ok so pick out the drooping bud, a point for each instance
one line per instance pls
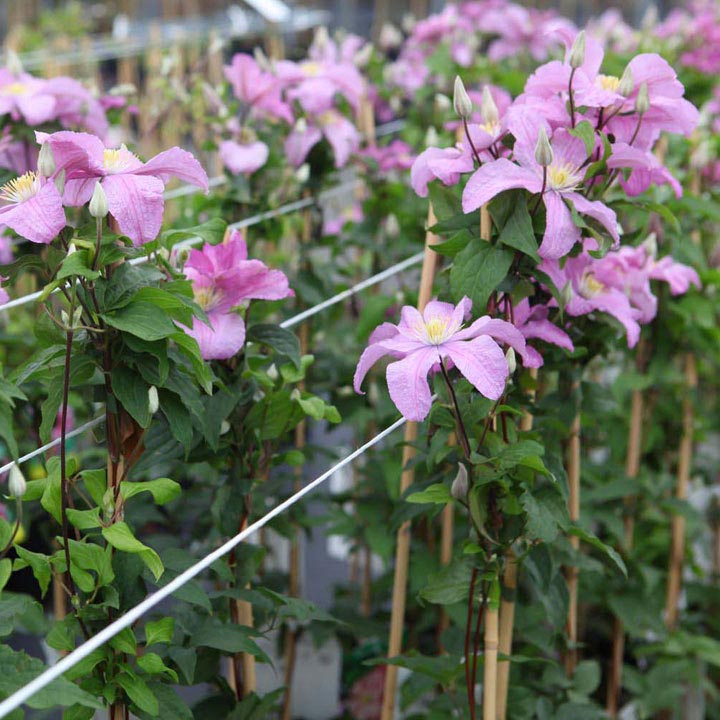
(511, 360)
(13, 63)
(642, 101)
(60, 182)
(543, 150)
(626, 84)
(577, 52)
(295, 395)
(650, 245)
(16, 482)
(488, 108)
(461, 100)
(460, 486)
(153, 400)
(46, 161)
(98, 202)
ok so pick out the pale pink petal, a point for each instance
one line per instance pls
(616, 303)
(136, 202)
(677, 275)
(221, 341)
(493, 178)
(243, 158)
(598, 211)
(560, 232)
(408, 384)
(299, 143)
(549, 332)
(78, 192)
(254, 280)
(178, 163)
(79, 154)
(482, 362)
(369, 357)
(37, 108)
(38, 219)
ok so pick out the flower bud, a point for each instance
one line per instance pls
(461, 100)
(642, 101)
(262, 59)
(302, 174)
(511, 360)
(362, 57)
(626, 84)
(488, 108)
(460, 486)
(60, 182)
(392, 226)
(322, 37)
(577, 52)
(408, 22)
(390, 37)
(98, 202)
(77, 316)
(224, 427)
(650, 245)
(65, 318)
(301, 126)
(46, 161)
(442, 102)
(71, 248)
(431, 137)
(16, 482)
(153, 400)
(272, 372)
(566, 294)
(543, 150)
(13, 62)
(295, 395)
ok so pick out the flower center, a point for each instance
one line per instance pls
(491, 128)
(117, 160)
(590, 286)
(16, 88)
(311, 69)
(437, 330)
(21, 188)
(206, 297)
(608, 82)
(563, 176)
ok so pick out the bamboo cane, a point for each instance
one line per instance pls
(507, 603)
(632, 468)
(447, 527)
(677, 547)
(490, 670)
(573, 472)
(402, 550)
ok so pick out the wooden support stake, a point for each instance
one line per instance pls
(491, 654)
(677, 547)
(402, 550)
(573, 472)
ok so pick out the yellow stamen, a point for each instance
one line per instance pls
(21, 188)
(437, 330)
(590, 286)
(608, 82)
(563, 176)
(311, 69)
(16, 88)
(117, 159)
(206, 297)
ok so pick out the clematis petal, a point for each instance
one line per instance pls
(40, 218)
(243, 158)
(221, 341)
(369, 357)
(598, 211)
(178, 163)
(482, 362)
(494, 177)
(408, 384)
(79, 154)
(560, 232)
(136, 202)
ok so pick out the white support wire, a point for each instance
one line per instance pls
(126, 620)
(290, 322)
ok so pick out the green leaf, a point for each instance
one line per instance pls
(163, 490)
(159, 631)
(124, 642)
(126, 280)
(188, 346)
(585, 132)
(449, 585)
(280, 340)
(17, 669)
(121, 538)
(228, 638)
(546, 513)
(446, 202)
(586, 678)
(132, 392)
(62, 634)
(5, 572)
(142, 320)
(172, 707)
(96, 484)
(78, 712)
(76, 264)
(153, 664)
(211, 232)
(139, 693)
(38, 563)
(91, 557)
(518, 231)
(477, 272)
(442, 669)
(437, 493)
(84, 519)
(591, 539)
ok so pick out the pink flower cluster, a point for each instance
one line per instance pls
(33, 205)
(223, 278)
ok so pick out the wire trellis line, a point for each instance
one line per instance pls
(126, 620)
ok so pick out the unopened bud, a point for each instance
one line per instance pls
(577, 51)
(224, 427)
(362, 56)
(301, 126)
(302, 174)
(262, 59)
(650, 246)
(543, 150)
(392, 226)
(642, 101)
(46, 161)
(60, 182)
(77, 316)
(626, 84)
(295, 395)
(431, 137)
(71, 248)
(511, 360)
(442, 102)
(13, 63)
(488, 108)
(65, 318)
(461, 100)
(16, 482)
(272, 372)
(98, 202)
(460, 486)
(153, 400)
(322, 37)
(566, 294)
(390, 37)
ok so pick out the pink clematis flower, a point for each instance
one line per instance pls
(533, 323)
(257, 89)
(445, 164)
(243, 158)
(25, 97)
(421, 340)
(397, 155)
(223, 278)
(579, 277)
(134, 189)
(32, 208)
(564, 175)
(337, 130)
